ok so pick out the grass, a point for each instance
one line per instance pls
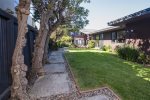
(93, 69)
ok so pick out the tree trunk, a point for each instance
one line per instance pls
(46, 50)
(45, 26)
(46, 47)
(37, 67)
(18, 69)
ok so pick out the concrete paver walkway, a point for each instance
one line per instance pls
(97, 97)
(57, 80)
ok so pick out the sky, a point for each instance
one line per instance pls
(103, 11)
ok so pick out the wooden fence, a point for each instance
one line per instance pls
(8, 36)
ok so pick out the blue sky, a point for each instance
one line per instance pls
(103, 11)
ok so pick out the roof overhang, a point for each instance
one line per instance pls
(79, 36)
(131, 18)
(104, 30)
(110, 29)
(87, 31)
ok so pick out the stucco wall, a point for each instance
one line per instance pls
(109, 43)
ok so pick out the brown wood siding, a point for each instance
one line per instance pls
(140, 36)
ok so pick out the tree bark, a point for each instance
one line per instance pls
(46, 27)
(46, 50)
(18, 69)
(45, 55)
(37, 66)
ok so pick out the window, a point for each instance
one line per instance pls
(121, 36)
(101, 36)
(82, 42)
(94, 37)
(97, 37)
(113, 36)
(76, 42)
(118, 37)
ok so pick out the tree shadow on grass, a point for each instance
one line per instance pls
(140, 70)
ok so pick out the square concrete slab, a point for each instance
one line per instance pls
(50, 85)
(54, 68)
(56, 59)
(56, 53)
(97, 97)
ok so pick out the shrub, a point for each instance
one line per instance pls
(53, 46)
(109, 48)
(91, 44)
(148, 59)
(65, 41)
(128, 53)
(106, 48)
(66, 38)
(117, 47)
(72, 46)
(143, 58)
(59, 44)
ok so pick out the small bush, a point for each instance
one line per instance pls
(59, 44)
(65, 41)
(54, 46)
(117, 47)
(91, 44)
(128, 53)
(109, 48)
(148, 59)
(106, 48)
(143, 58)
(73, 46)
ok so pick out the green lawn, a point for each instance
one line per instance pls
(94, 69)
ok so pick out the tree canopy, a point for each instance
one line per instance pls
(64, 12)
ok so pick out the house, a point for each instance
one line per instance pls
(132, 29)
(111, 36)
(136, 28)
(79, 39)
